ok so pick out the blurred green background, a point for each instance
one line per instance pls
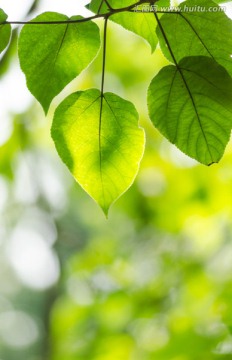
(154, 281)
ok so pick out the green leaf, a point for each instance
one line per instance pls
(99, 140)
(53, 55)
(221, 1)
(194, 33)
(5, 31)
(101, 7)
(142, 24)
(9, 54)
(191, 105)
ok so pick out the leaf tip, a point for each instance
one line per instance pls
(45, 107)
(105, 211)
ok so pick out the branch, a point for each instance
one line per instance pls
(97, 16)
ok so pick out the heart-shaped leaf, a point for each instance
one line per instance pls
(99, 140)
(191, 105)
(5, 31)
(53, 55)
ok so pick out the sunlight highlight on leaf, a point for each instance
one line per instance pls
(100, 142)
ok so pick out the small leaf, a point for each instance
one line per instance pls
(5, 31)
(99, 140)
(191, 105)
(53, 55)
(140, 23)
(198, 32)
(101, 6)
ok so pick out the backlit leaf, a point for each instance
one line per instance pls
(99, 140)
(191, 105)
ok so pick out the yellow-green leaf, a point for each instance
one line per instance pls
(99, 140)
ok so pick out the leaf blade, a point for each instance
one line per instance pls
(102, 154)
(191, 105)
(65, 50)
(5, 31)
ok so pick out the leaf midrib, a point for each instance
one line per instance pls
(184, 81)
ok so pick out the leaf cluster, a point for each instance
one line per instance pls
(97, 134)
